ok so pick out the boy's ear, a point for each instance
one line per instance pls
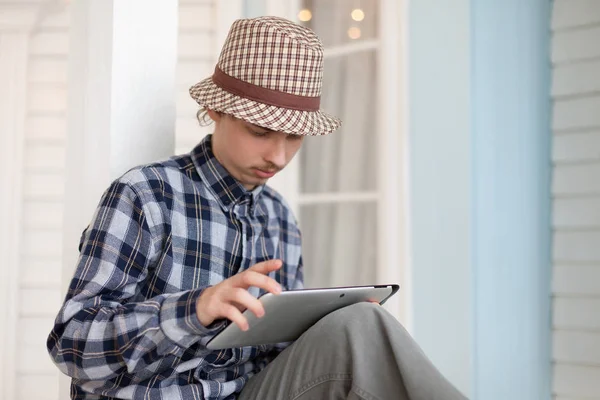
(214, 115)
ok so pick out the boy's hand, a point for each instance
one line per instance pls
(229, 298)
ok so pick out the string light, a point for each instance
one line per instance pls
(354, 33)
(305, 15)
(357, 14)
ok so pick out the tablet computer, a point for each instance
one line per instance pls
(289, 314)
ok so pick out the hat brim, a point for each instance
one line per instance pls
(295, 122)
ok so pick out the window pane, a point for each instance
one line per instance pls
(339, 244)
(339, 22)
(345, 160)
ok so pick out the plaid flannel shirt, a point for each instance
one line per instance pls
(161, 234)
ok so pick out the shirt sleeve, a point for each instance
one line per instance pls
(99, 333)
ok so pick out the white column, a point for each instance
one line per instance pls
(16, 23)
(123, 56)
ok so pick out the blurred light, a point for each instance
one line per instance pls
(305, 15)
(357, 14)
(354, 33)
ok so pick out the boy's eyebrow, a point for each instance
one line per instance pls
(256, 127)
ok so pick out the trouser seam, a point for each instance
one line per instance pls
(363, 393)
(319, 381)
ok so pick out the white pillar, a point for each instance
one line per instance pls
(123, 56)
(16, 22)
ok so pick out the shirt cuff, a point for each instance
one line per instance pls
(179, 319)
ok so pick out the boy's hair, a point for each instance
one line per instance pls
(205, 120)
(203, 117)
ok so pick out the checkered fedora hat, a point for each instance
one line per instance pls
(270, 74)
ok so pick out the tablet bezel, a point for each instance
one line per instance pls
(332, 298)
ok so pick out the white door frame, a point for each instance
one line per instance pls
(393, 216)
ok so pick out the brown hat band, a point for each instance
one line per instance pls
(263, 95)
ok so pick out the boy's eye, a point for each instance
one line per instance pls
(259, 134)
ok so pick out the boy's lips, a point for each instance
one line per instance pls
(264, 174)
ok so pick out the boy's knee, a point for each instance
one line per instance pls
(363, 309)
(356, 314)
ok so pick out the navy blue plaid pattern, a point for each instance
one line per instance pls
(161, 234)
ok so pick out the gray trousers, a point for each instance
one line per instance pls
(358, 352)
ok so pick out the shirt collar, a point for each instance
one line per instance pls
(226, 189)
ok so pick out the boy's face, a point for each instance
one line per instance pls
(251, 154)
